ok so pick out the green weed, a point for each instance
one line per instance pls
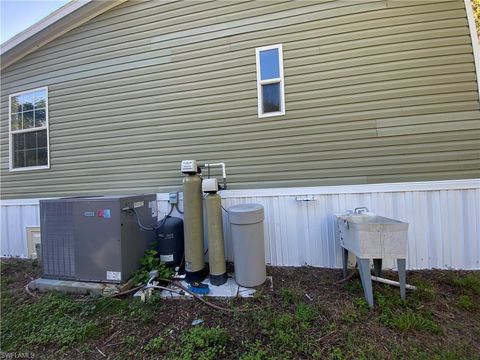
(412, 321)
(139, 311)
(425, 292)
(361, 305)
(305, 314)
(157, 344)
(353, 286)
(150, 261)
(130, 341)
(337, 354)
(53, 320)
(466, 302)
(203, 343)
(256, 351)
(290, 295)
(470, 281)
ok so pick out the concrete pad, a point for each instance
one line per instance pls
(228, 290)
(73, 287)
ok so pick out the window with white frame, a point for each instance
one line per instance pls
(270, 88)
(29, 130)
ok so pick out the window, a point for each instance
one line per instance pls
(29, 130)
(270, 90)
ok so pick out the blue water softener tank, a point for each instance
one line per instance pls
(170, 241)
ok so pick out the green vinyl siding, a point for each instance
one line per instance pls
(375, 91)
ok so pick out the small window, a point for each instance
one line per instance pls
(29, 130)
(270, 90)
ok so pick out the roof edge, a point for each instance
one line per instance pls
(59, 22)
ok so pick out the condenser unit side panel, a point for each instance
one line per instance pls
(98, 240)
(136, 241)
(57, 234)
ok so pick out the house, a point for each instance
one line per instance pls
(315, 107)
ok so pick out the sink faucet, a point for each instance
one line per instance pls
(361, 210)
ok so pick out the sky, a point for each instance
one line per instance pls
(17, 15)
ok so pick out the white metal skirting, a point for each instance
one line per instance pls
(444, 220)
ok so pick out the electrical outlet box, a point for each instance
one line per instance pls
(189, 166)
(173, 198)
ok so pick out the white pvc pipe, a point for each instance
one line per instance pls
(224, 173)
(391, 282)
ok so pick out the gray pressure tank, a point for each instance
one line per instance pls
(246, 222)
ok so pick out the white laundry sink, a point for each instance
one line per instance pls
(372, 236)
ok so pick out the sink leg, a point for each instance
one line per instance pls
(366, 277)
(401, 263)
(377, 267)
(345, 262)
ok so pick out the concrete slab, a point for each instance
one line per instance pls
(228, 290)
(73, 287)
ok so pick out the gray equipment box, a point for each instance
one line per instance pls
(93, 239)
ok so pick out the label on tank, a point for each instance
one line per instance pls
(166, 236)
(114, 275)
(166, 258)
(138, 204)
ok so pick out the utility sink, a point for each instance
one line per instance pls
(372, 236)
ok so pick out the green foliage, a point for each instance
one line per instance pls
(150, 261)
(470, 281)
(407, 315)
(138, 311)
(337, 354)
(466, 302)
(353, 287)
(362, 305)
(256, 351)
(349, 314)
(130, 341)
(425, 292)
(284, 334)
(290, 295)
(305, 314)
(157, 344)
(413, 321)
(53, 320)
(203, 343)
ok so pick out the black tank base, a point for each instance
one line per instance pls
(218, 279)
(195, 276)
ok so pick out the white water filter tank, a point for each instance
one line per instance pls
(246, 223)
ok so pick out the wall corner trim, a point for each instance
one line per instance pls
(475, 41)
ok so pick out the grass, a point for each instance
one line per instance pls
(409, 315)
(468, 282)
(410, 320)
(466, 302)
(54, 319)
(203, 343)
(439, 321)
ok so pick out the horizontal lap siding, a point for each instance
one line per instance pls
(376, 91)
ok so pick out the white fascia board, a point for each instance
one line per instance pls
(68, 17)
(42, 24)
